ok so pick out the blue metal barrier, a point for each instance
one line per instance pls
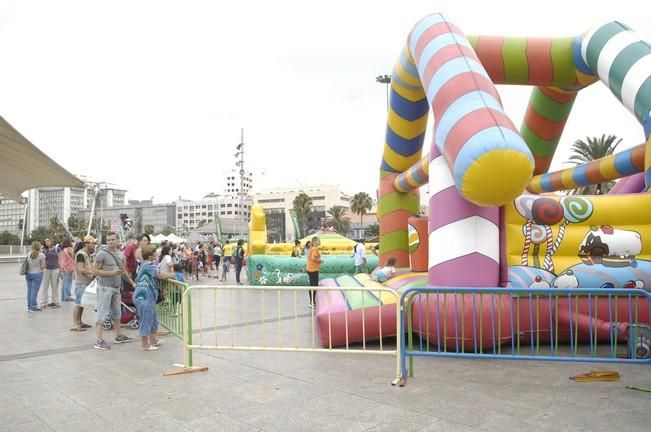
(519, 323)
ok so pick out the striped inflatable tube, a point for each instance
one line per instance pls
(623, 62)
(462, 235)
(544, 122)
(407, 119)
(394, 210)
(414, 177)
(490, 162)
(611, 167)
(545, 62)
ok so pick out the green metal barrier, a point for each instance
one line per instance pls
(170, 311)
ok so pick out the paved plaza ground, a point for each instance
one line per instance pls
(52, 379)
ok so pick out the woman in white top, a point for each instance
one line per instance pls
(165, 265)
(34, 275)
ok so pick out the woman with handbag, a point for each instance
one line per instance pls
(34, 275)
(146, 295)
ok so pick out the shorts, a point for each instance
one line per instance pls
(79, 292)
(108, 302)
(380, 276)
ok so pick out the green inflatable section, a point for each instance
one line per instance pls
(277, 270)
(357, 299)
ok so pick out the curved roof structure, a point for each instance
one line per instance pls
(23, 166)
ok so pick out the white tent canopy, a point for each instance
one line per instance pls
(158, 238)
(173, 238)
(23, 166)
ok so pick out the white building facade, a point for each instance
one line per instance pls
(278, 205)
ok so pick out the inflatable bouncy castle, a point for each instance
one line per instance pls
(492, 208)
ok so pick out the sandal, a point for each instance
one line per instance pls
(86, 326)
(151, 348)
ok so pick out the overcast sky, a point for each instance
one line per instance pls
(151, 95)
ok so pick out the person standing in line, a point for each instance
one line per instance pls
(145, 296)
(306, 249)
(130, 255)
(34, 275)
(239, 260)
(110, 267)
(67, 266)
(225, 263)
(143, 240)
(83, 276)
(50, 276)
(217, 257)
(165, 264)
(313, 266)
(360, 257)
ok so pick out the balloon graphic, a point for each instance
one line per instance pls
(547, 211)
(523, 205)
(538, 234)
(576, 209)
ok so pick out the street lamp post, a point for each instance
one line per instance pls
(240, 163)
(384, 79)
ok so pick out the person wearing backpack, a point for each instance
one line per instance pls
(67, 267)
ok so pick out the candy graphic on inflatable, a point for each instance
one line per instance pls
(575, 210)
(523, 205)
(547, 212)
(536, 234)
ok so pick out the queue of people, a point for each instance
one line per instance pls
(61, 272)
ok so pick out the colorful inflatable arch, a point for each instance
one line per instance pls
(478, 160)
(480, 167)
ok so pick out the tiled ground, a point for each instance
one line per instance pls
(52, 379)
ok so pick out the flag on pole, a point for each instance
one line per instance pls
(218, 229)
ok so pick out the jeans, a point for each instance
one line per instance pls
(66, 286)
(33, 284)
(238, 270)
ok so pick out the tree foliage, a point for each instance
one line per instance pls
(338, 220)
(302, 206)
(360, 205)
(372, 231)
(592, 149)
(7, 238)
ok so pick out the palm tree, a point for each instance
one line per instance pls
(338, 219)
(590, 150)
(372, 231)
(360, 204)
(302, 206)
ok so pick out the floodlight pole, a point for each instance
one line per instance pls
(384, 79)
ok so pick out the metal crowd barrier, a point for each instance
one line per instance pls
(265, 318)
(586, 325)
(170, 311)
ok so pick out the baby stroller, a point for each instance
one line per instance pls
(129, 312)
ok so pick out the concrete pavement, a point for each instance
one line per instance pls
(52, 379)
